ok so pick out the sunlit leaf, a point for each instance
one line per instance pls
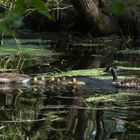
(41, 7)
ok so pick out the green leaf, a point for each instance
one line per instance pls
(13, 20)
(118, 8)
(19, 6)
(2, 27)
(41, 7)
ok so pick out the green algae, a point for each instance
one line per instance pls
(97, 73)
(87, 72)
(111, 97)
(31, 50)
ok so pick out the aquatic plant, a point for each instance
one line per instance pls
(118, 98)
(87, 72)
(12, 60)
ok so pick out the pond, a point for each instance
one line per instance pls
(52, 111)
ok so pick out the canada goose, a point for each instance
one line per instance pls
(127, 83)
(14, 78)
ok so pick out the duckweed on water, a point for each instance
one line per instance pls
(109, 98)
(14, 58)
(129, 51)
(128, 68)
(87, 72)
(96, 73)
(31, 50)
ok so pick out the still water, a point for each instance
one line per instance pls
(95, 111)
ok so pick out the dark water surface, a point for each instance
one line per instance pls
(96, 111)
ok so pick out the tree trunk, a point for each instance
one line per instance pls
(1, 38)
(95, 19)
(2, 10)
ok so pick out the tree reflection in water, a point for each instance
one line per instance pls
(56, 113)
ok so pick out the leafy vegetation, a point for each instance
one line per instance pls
(12, 18)
(118, 7)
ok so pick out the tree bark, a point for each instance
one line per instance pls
(96, 20)
(1, 38)
(2, 10)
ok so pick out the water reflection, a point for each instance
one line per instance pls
(58, 112)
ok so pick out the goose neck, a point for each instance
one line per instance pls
(114, 74)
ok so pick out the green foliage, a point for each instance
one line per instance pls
(19, 6)
(11, 19)
(118, 7)
(41, 7)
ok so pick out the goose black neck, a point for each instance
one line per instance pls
(114, 74)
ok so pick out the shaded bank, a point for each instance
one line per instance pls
(100, 18)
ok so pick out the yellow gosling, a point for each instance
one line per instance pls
(76, 82)
(36, 81)
(58, 80)
(51, 80)
(65, 81)
(43, 78)
(64, 78)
